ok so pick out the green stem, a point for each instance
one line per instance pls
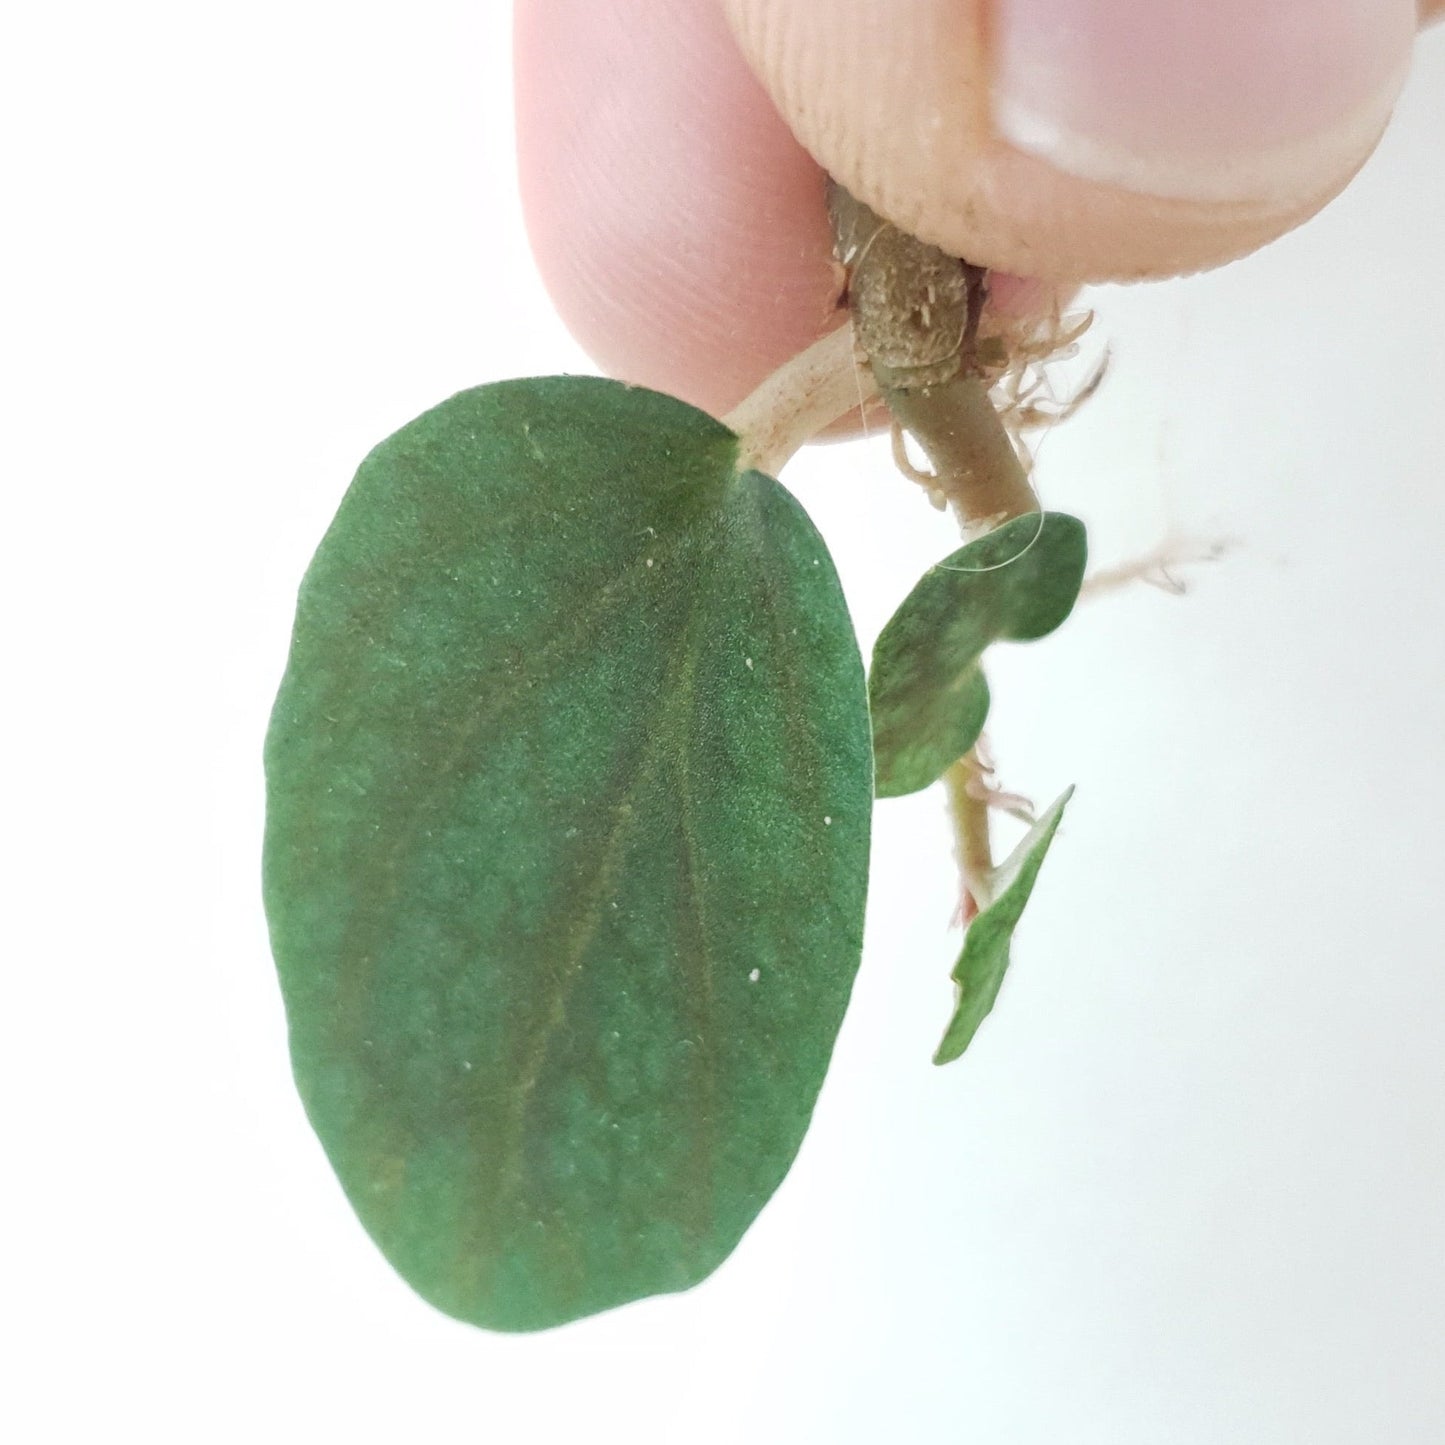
(971, 455)
(971, 830)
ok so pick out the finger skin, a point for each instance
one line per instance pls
(895, 100)
(680, 226)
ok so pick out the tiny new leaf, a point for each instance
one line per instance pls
(928, 695)
(985, 958)
(569, 783)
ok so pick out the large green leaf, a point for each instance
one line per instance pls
(981, 966)
(928, 695)
(566, 853)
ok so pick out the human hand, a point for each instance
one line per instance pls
(680, 225)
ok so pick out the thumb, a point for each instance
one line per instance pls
(1086, 140)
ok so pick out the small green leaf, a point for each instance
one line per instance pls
(569, 794)
(985, 958)
(929, 698)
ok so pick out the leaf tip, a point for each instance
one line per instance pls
(948, 1051)
(985, 957)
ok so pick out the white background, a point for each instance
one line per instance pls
(1189, 1184)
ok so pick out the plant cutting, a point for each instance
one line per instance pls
(570, 780)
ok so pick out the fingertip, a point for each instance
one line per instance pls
(679, 227)
(1085, 143)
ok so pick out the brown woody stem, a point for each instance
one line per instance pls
(915, 317)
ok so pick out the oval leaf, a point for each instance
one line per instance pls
(985, 958)
(569, 792)
(928, 695)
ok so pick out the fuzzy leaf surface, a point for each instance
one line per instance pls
(981, 966)
(928, 695)
(569, 783)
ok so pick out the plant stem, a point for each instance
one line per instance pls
(798, 400)
(971, 831)
(916, 313)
